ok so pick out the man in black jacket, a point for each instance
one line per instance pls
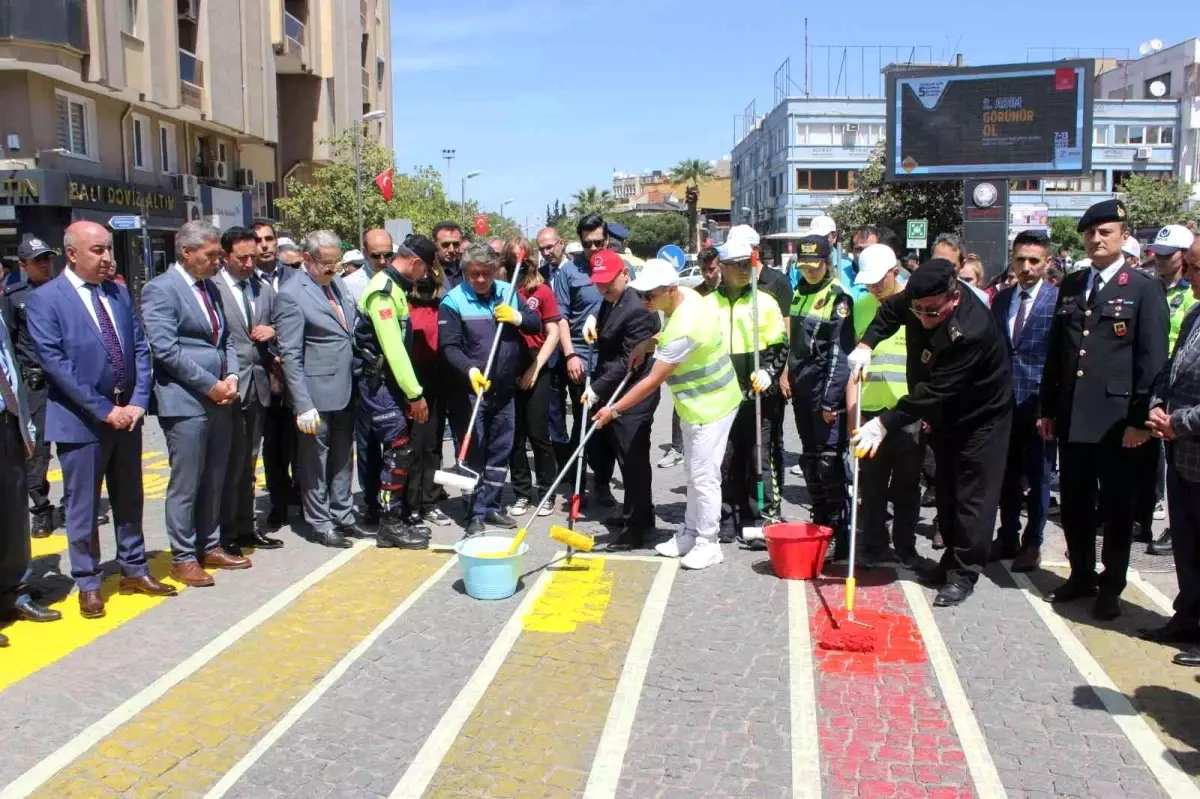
(620, 326)
(959, 384)
(1108, 342)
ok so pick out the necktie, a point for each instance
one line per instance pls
(1096, 286)
(108, 334)
(1019, 322)
(244, 285)
(337, 308)
(212, 315)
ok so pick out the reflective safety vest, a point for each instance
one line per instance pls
(887, 380)
(1179, 301)
(737, 321)
(704, 387)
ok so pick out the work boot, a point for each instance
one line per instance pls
(42, 523)
(395, 533)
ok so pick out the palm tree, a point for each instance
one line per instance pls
(591, 201)
(693, 172)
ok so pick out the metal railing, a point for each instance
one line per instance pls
(293, 29)
(191, 79)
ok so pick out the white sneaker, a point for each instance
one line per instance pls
(704, 554)
(547, 509)
(678, 546)
(796, 470)
(519, 508)
(673, 458)
(1160, 510)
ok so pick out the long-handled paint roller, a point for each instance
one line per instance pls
(576, 498)
(465, 478)
(753, 536)
(860, 637)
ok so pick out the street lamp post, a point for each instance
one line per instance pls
(449, 156)
(462, 205)
(358, 188)
(506, 202)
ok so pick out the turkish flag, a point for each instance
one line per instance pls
(1064, 80)
(384, 181)
(481, 225)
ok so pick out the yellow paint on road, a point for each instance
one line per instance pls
(576, 596)
(50, 545)
(184, 742)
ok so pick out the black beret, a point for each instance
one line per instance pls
(812, 248)
(935, 276)
(1105, 211)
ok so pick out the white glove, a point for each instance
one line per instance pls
(866, 439)
(309, 422)
(590, 333)
(589, 397)
(760, 381)
(860, 360)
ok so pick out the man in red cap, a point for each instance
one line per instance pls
(621, 324)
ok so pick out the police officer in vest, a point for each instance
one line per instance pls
(735, 314)
(960, 385)
(894, 474)
(388, 390)
(693, 360)
(38, 267)
(1169, 248)
(1108, 342)
(822, 335)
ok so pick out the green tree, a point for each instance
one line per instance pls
(502, 227)
(1064, 234)
(649, 232)
(591, 201)
(877, 202)
(1152, 202)
(557, 218)
(693, 172)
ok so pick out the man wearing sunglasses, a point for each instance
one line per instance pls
(960, 384)
(448, 239)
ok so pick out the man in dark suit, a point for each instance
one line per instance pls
(97, 365)
(1108, 342)
(1025, 311)
(279, 424)
(195, 386)
(250, 303)
(314, 323)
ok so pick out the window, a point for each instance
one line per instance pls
(825, 179)
(166, 148)
(1164, 79)
(221, 152)
(1161, 176)
(1160, 134)
(869, 135)
(1129, 134)
(1100, 135)
(1167, 134)
(76, 124)
(141, 142)
(1023, 185)
(1096, 182)
(261, 200)
(129, 16)
(820, 134)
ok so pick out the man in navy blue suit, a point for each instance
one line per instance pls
(1025, 311)
(97, 366)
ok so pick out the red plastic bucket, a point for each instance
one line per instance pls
(797, 549)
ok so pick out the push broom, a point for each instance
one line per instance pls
(576, 498)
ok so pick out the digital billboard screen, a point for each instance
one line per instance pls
(1011, 120)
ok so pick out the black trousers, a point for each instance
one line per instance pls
(37, 466)
(533, 426)
(739, 476)
(1030, 465)
(427, 442)
(368, 450)
(1184, 498)
(970, 473)
(628, 438)
(1147, 478)
(1091, 474)
(279, 453)
(600, 456)
(893, 475)
(14, 517)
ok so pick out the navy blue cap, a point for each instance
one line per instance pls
(812, 248)
(618, 231)
(31, 247)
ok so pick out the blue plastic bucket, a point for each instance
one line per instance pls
(489, 578)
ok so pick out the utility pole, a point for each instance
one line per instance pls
(449, 156)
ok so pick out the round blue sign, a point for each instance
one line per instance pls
(673, 254)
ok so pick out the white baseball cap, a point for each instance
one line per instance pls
(1132, 247)
(874, 262)
(1171, 239)
(353, 257)
(574, 248)
(655, 274)
(284, 241)
(737, 250)
(742, 233)
(822, 226)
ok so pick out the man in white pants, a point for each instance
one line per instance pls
(693, 359)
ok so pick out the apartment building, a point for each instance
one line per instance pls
(175, 109)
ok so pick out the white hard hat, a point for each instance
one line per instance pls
(1132, 247)
(737, 250)
(874, 262)
(655, 274)
(743, 233)
(822, 226)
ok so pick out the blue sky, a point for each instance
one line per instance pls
(549, 97)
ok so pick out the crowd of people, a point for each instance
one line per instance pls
(323, 359)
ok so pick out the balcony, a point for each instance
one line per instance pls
(58, 23)
(292, 58)
(191, 80)
(366, 84)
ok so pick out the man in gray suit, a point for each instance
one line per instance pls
(314, 322)
(195, 386)
(1175, 418)
(250, 302)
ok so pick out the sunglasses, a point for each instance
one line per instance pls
(449, 245)
(593, 244)
(932, 314)
(379, 256)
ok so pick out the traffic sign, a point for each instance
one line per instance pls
(672, 254)
(125, 222)
(918, 234)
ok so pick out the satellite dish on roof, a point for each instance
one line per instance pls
(1156, 45)
(1158, 88)
(1144, 48)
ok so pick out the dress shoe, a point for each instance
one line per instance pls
(1027, 560)
(41, 525)
(501, 520)
(909, 557)
(277, 518)
(400, 536)
(1188, 658)
(233, 548)
(91, 606)
(934, 576)
(26, 609)
(1106, 608)
(145, 585)
(220, 559)
(370, 518)
(1162, 545)
(1070, 591)
(953, 594)
(474, 527)
(1172, 632)
(1002, 551)
(627, 541)
(189, 573)
(257, 539)
(331, 538)
(353, 529)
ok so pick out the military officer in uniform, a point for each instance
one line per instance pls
(1108, 342)
(38, 267)
(960, 384)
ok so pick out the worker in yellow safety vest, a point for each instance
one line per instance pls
(894, 474)
(692, 358)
